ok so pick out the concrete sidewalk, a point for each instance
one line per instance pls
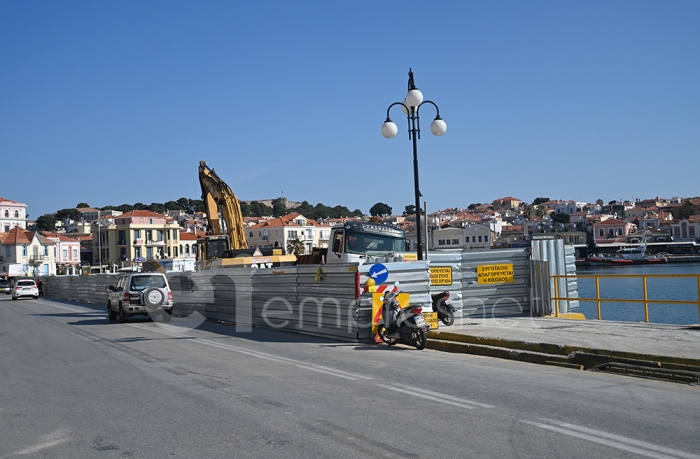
(578, 343)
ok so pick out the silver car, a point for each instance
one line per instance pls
(25, 287)
(135, 294)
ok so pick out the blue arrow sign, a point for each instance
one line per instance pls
(379, 273)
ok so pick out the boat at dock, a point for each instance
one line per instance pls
(626, 256)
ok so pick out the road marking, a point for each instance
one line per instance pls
(436, 397)
(616, 441)
(47, 441)
(262, 355)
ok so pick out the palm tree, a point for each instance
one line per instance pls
(540, 211)
(528, 211)
(296, 246)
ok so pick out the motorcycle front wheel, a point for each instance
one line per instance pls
(384, 335)
(420, 339)
(448, 317)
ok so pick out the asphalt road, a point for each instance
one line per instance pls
(74, 385)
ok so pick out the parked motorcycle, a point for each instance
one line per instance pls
(406, 325)
(443, 306)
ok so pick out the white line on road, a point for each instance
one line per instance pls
(616, 441)
(47, 441)
(260, 355)
(436, 397)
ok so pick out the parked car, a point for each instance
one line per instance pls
(25, 287)
(5, 286)
(146, 294)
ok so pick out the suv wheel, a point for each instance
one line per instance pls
(123, 317)
(110, 313)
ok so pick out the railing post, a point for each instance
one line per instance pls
(597, 294)
(699, 298)
(646, 302)
(556, 296)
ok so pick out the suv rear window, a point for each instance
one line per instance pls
(143, 282)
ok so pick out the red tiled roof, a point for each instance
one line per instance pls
(611, 221)
(18, 235)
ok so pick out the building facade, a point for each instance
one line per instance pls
(139, 235)
(12, 214)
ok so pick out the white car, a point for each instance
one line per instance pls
(25, 287)
(146, 294)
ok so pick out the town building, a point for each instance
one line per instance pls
(280, 232)
(12, 214)
(29, 249)
(139, 235)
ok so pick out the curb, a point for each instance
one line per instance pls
(546, 353)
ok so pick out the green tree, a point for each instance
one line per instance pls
(46, 222)
(258, 209)
(409, 210)
(279, 207)
(686, 210)
(528, 211)
(380, 210)
(539, 200)
(561, 217)
(82, 205)
(473, 206)
(540, 210)
(296, 246)
(600, 202)
(70, 213)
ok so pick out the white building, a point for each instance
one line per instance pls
(12, 214)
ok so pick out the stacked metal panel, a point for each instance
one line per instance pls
(453, 260)
(480, 300)
(560, 261)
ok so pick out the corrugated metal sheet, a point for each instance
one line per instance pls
(560, 260)
(452, 260)
(506, 299)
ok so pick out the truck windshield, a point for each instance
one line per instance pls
(357, 242)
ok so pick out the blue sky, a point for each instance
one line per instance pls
(116, 102)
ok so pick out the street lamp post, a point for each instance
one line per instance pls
(411, 107)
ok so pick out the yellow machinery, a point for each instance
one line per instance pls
(227, 247)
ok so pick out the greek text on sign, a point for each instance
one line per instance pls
(441, 275)
(494, 274)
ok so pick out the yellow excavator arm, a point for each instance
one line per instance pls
(218, 197)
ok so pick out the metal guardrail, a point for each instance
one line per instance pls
(646, 300)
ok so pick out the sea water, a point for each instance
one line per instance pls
(682, 288)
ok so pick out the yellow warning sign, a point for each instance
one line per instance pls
(410, 257)
(432, 319)
(441, 275)
(404, 300)
(494, 274)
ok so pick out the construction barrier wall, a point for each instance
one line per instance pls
(481, 299)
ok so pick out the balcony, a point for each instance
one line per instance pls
(36, 260)
(155, 242)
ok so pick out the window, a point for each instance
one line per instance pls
(473, 238)
(149, 235)
(8, 251)
(137, 234)
(611, 233)
(16, 213)
(455, 241)
(619, 231)
(150, 221)
(479, 238)
(691, 231)
(292, 234)
(277, 232)
(447, 242)
(175, 235)
(250, 234)
(7, 228)
(7, 213)
(159, 235)
(174, 252)
(259, 233)
(601, 232)
(24, 250)
(65, 254)
(46, 250)
(75, 254)
(677, 232)
(441, 242)
(486, 238)
(123, 253)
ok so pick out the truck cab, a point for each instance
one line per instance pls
(355, 242)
